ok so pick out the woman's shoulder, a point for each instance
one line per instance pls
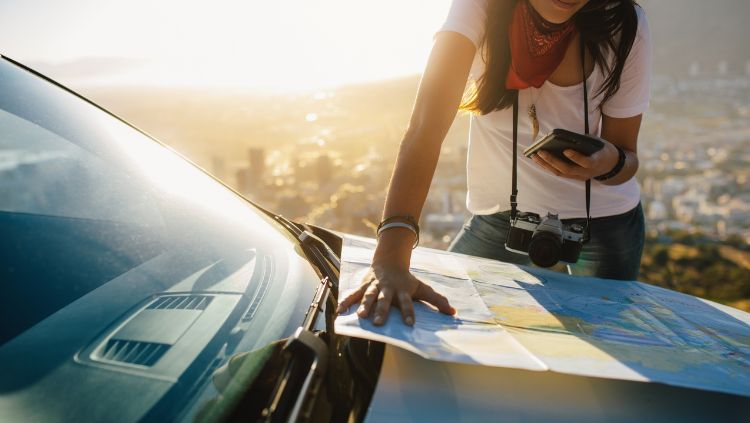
(642, 38)
(643, 31)
(467, 18)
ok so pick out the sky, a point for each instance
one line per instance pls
(272, 44)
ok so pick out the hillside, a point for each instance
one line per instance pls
(698, 266)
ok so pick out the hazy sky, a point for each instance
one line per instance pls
(273, 44)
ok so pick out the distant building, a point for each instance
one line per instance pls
(218, 167)
(245, 181)
(257, 160)
(250, 179)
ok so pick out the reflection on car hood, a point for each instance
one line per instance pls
(414, 389)
(138, 348)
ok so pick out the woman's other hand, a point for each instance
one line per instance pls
(580, 166)
(620, 131)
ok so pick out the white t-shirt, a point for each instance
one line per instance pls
(490, 153)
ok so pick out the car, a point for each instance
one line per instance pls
(136, 287)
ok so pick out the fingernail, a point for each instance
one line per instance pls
(378, 319)
(409, 320)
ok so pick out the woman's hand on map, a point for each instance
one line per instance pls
(384, 286)
(387, 283)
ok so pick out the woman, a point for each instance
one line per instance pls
(529, 52)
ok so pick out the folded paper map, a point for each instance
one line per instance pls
(535, 319)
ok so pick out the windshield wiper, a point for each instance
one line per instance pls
(306, 357)
(305, 354)
(318, 252)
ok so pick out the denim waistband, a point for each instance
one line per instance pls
(625, 215)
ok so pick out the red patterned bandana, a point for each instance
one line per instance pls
(536, 47)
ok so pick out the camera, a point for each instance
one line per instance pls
(546, 241)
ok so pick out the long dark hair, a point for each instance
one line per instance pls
(605, 25)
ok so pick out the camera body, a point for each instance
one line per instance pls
(546, 241)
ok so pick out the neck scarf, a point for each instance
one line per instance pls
(536, 47)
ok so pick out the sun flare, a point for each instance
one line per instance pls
(280, 45)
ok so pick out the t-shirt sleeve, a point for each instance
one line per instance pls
(635, 82)
(467, 17)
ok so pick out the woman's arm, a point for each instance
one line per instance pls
(440, 91)
(621, 132)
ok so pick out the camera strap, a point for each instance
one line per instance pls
(514, 176)
(587, 231)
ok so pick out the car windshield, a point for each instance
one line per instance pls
(103, 230)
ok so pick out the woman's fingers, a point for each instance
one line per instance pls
(580, 159)
(427, 294)
(371, 295)
(376, 298)
(351, 299)
(565, 168)
(406, 305)
(538, 160)
(559, 167)
(383, 305)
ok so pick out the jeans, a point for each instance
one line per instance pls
(613, 251)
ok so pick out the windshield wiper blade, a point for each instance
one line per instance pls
(293, 399)
(317, 251)
(316, 306)
(306, 357)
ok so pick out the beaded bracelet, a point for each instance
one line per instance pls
(618, 166)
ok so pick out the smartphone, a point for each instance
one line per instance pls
(560, 140)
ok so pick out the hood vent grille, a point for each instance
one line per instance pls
(166, 334)
(133, 352)
(181, 302)
(262, 290)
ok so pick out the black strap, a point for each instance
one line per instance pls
(587, 234)
(514, 177)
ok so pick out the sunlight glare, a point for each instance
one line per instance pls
(277, 45)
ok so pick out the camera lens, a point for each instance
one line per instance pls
(544, 249)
